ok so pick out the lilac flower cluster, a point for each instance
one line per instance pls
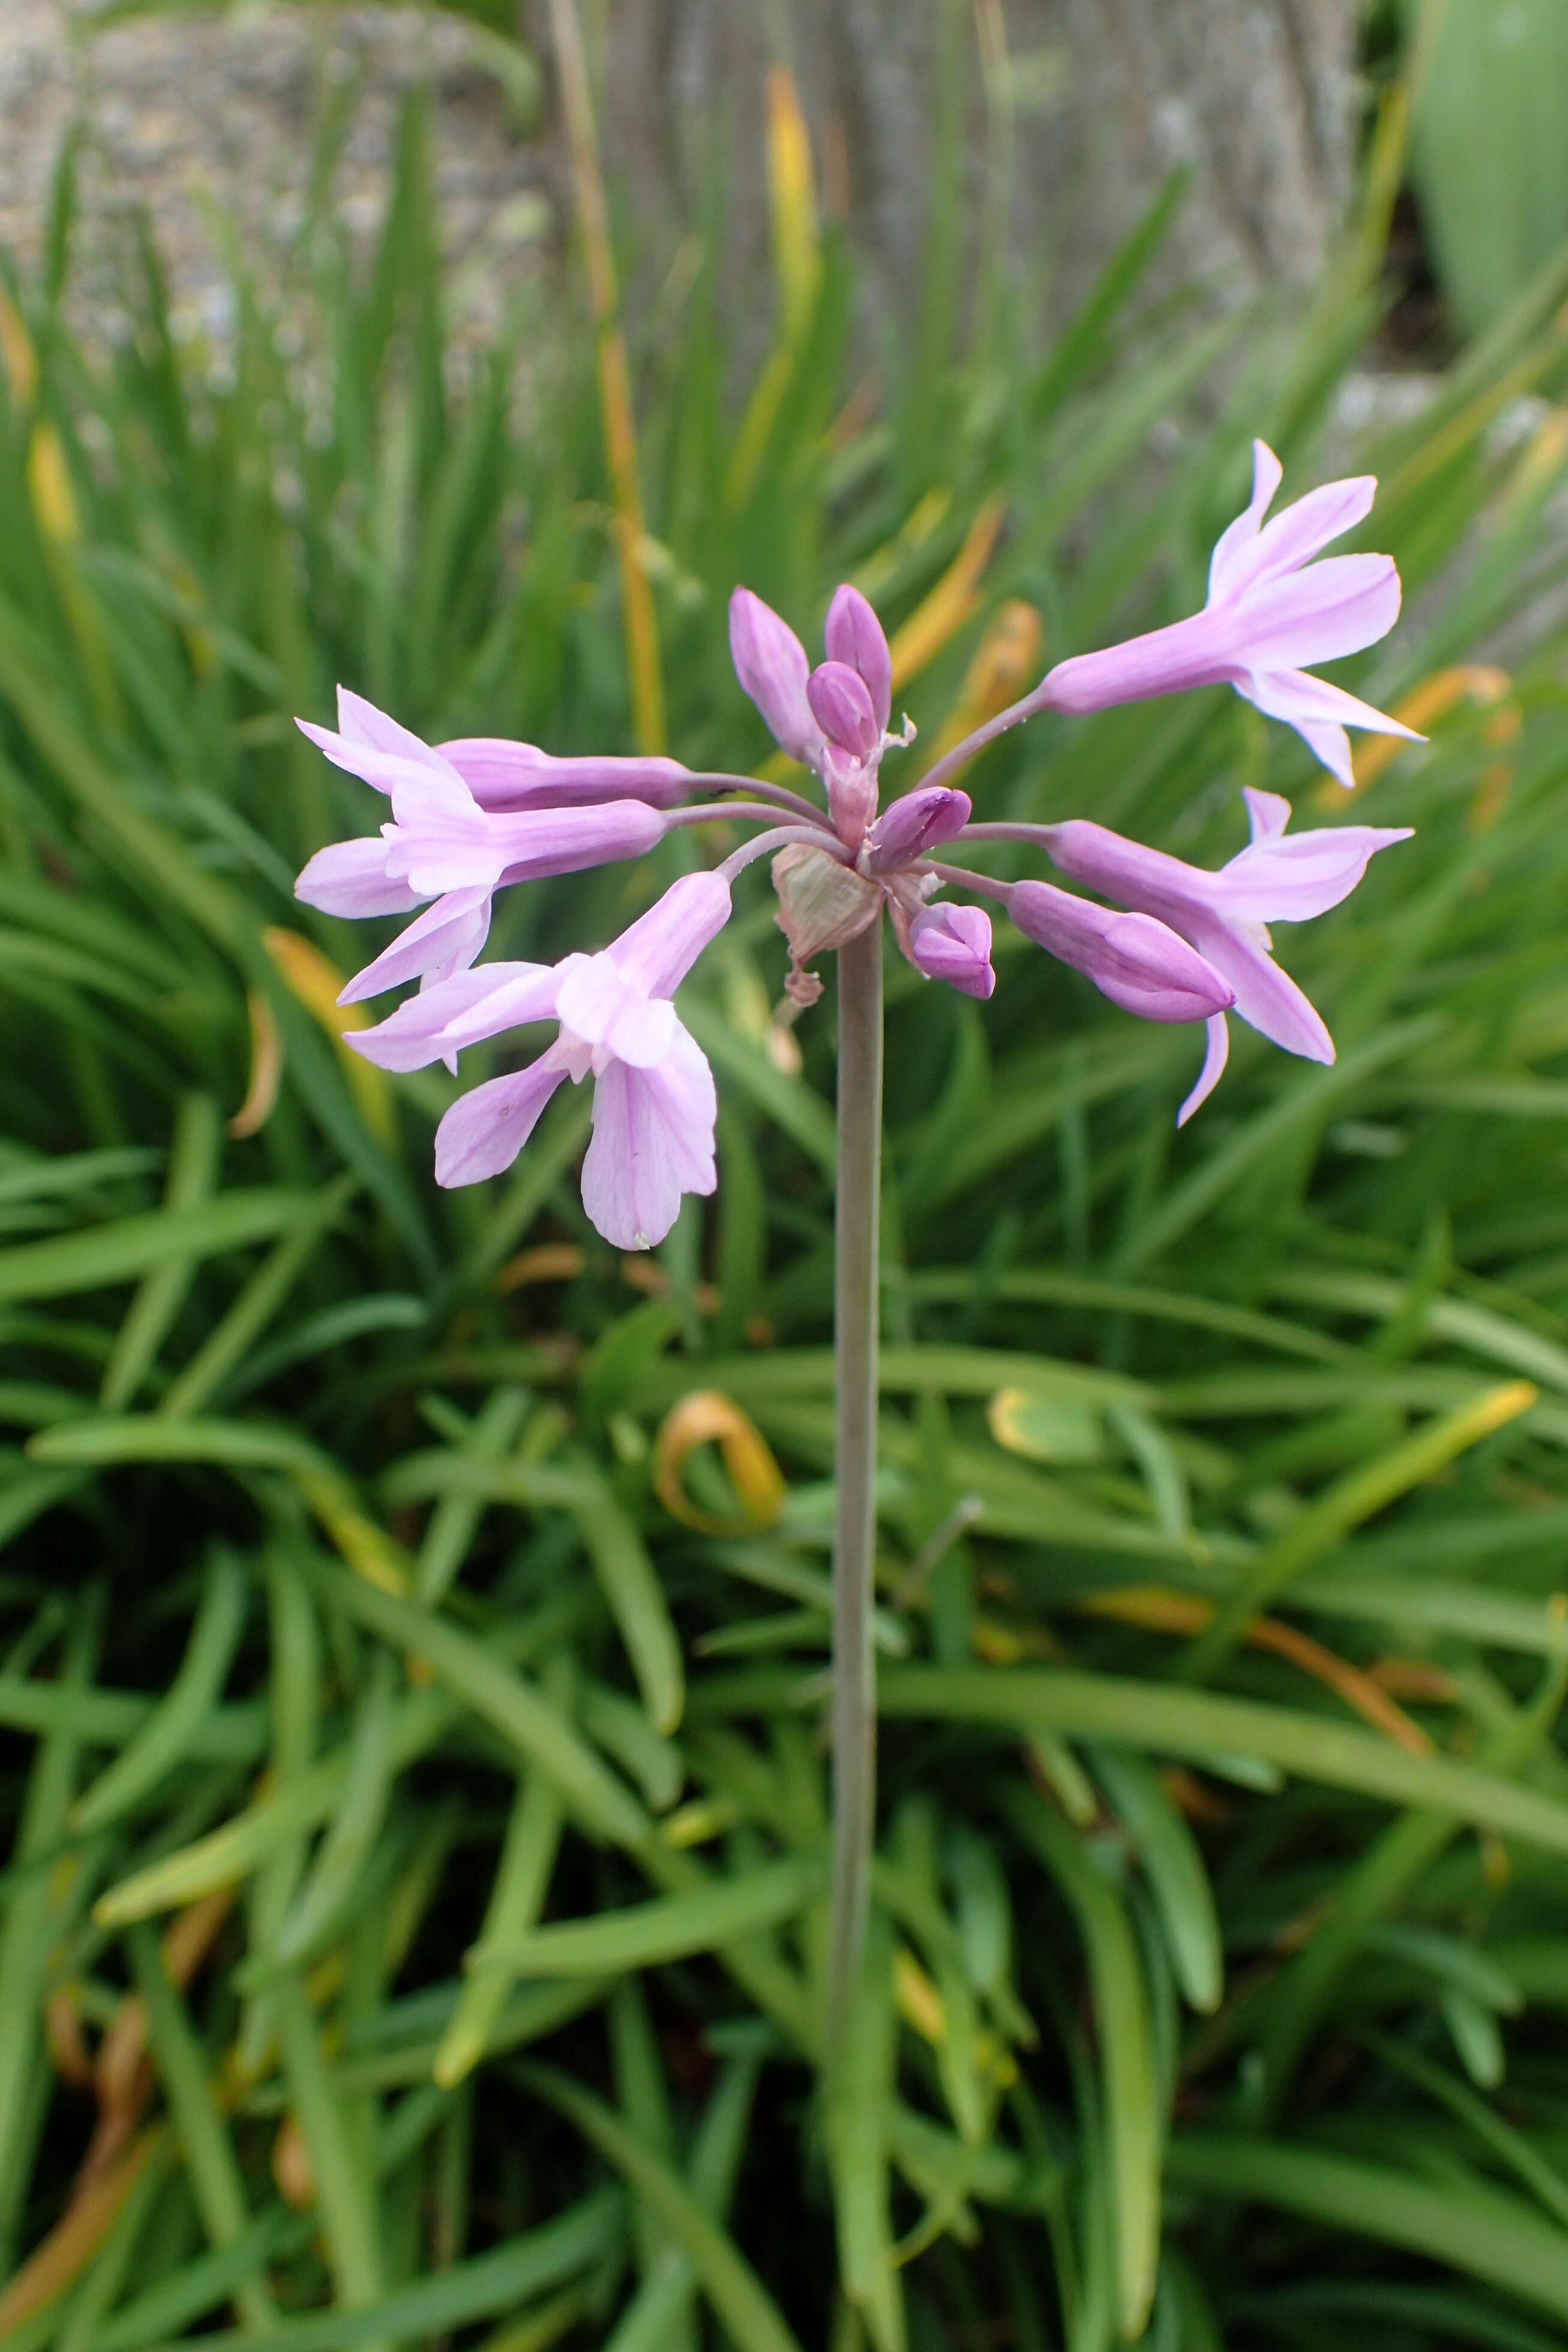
(1175, 942)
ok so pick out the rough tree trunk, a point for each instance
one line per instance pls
(1101, 99)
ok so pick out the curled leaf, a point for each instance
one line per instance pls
(708, 1416)
(265, 1069)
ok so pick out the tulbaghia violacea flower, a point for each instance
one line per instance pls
(653, 1099)
(442, 845)
(499, 774)
(1271, 612)
(477, 814)
(1224, 916)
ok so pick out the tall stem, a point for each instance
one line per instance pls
(856, 1237)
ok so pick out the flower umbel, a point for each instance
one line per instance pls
(477, 814)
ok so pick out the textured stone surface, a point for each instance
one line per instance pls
(208, 118)
(1088, 103)
(1079, 107)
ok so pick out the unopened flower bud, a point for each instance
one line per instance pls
(854, 636)
(1138, 962)
(771, 664)
(953, 944)
(841, 707)
(914, 825)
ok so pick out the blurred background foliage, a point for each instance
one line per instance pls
(1488, 163)
(414, 1616)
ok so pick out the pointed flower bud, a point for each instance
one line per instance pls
(1139, 964)
(953, 944)
(1275, 878)
(771, 664)
(841, 707)
(914, 825)
(854, 636)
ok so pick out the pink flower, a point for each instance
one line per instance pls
(653, 1102)
(442, 845)
(1224, 915)
(504, 775)
(1271, 611)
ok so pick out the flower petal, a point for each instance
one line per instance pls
(415, 1032)
(1319, 712)
(519, 993)
(361, 722)
(1287, 879)
(1138, 962)
(1198, 651)
(854, 635)
(841, 706)
(504, 775)
(485, 1130)
(652, 1142)
(1302, 530)
(913, 825)
(1267, 999)
(1235, 542)
(1291, 695)
(350, 878)
(373, 763)
(1268, 814)
(596, 1003)
(1150, 881)
(954, 943)
(1215, 1056)
(659, 948)
(1334, 608)
(444, 939)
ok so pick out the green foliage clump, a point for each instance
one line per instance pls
(414, 1796)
